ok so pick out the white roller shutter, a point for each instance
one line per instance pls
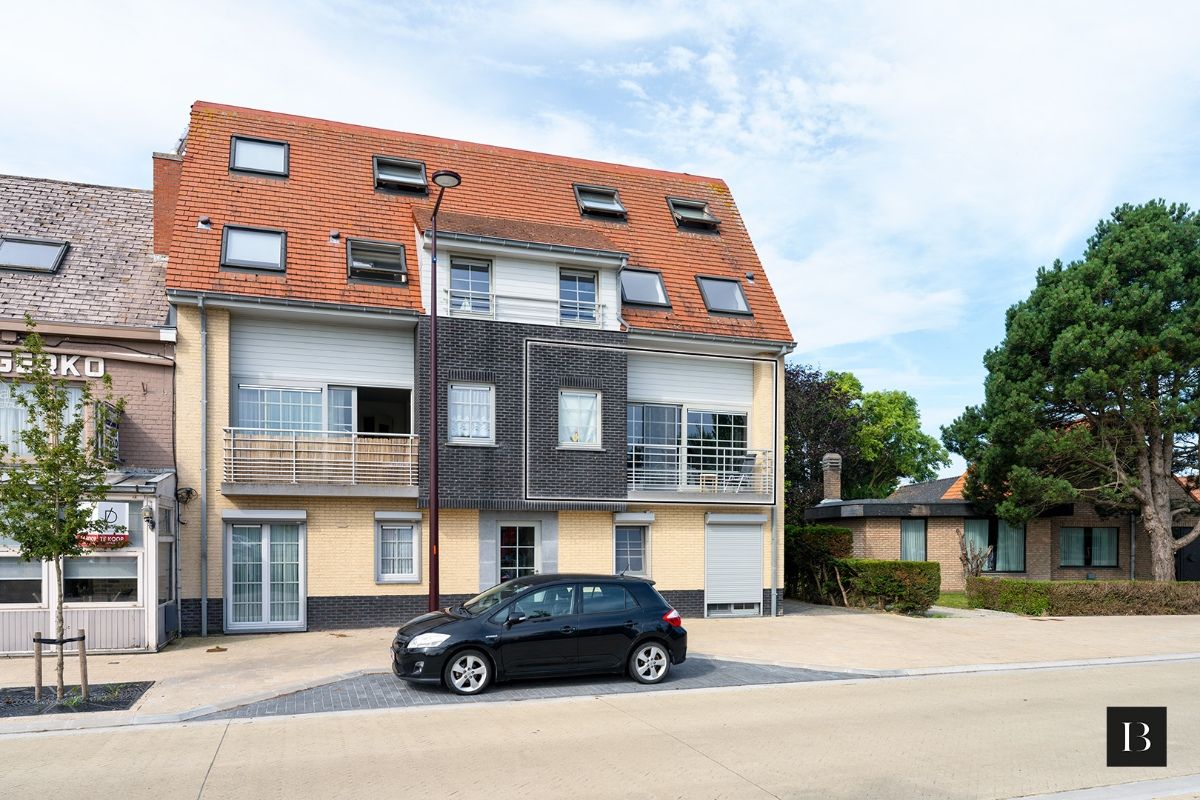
(308, 351)
(694, 380)
(733, 563)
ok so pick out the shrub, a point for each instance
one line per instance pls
(1084, 598)
(1007, 594)
(809, 553)
(910, 587)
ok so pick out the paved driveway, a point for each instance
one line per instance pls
(388, 691)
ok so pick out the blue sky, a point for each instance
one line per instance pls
(904, 168)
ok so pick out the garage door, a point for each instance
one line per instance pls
(733, 569)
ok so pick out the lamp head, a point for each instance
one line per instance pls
(447, 179)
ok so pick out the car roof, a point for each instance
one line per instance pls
(536, 580)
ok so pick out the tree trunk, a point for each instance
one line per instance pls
(58, 624)
(1162, 547)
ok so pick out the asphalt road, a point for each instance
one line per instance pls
(962, 736)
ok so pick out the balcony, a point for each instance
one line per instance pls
(708, 473)
(259, 461)
(537, 311)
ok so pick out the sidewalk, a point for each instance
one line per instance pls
(191, 681)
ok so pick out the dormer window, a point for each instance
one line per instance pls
(379, 262)
(399, 173)
(600, 201)
(31, 255)
(723, 295)
(643, 288)
(258, 156)
(692, 214)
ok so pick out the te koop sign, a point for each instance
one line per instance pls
(61, 364)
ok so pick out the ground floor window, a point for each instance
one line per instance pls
(100, 579)
(518, 551)
(399, 553)
(1087, 547)
(631, 550)
(20, 581)
(912, 540)
(1007, 543)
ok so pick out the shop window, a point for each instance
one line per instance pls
(100, 579)
(20, 581)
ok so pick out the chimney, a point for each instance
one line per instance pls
(831, 470)
(168, 167)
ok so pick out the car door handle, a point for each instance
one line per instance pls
(568, 629)
(630, 623)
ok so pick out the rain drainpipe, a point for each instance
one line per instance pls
(203, 469)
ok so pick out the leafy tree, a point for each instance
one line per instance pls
(878, 435)
(1093, 394)
(49, 489)
(820, 416)
(892, 446)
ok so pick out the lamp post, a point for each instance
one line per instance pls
(445, 179)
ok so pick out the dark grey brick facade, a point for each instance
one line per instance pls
(189, 615)
(370, 611)
(485, 351)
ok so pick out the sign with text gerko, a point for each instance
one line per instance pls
(62, 365)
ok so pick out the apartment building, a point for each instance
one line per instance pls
(77, 259)
(610, 356)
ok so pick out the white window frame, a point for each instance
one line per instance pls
(471, 441)
(397, 577)
(491, 289)
(599, 421)
(579, 273)
(265, 521)
(47, 585)
(647, 569)
(537, 543)
(122, 552)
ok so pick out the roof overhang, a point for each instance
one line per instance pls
(183, 297)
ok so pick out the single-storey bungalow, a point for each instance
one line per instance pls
(924, 522)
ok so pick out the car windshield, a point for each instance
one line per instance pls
(493, 597)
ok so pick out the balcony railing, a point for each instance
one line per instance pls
(261, 456)
(699, 468)
(488, 305)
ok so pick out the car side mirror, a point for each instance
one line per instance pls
(515, 617)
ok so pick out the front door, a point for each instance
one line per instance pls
(545, 641)
(265, 586)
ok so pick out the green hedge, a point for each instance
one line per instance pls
(809, 552)
(909, 587)
(1083, 598)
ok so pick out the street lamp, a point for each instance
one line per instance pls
(445, 179)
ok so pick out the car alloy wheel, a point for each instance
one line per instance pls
(468, 673)
(649, 663)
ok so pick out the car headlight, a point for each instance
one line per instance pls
(425, 640)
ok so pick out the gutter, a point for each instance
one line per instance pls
(203, 467)
(517, 244)
(223, 300)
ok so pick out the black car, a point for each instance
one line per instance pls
(541, 626)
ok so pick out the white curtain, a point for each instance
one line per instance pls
(912, 540)
(1010, 547)
(578, 421)
(471, 412)
(14, 419)
(396, 550)
(285, 573)
(976, 533)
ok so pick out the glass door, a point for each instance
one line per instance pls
(266, 590)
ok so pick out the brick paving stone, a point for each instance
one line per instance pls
(384, 690)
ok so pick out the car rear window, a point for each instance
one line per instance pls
(601, 597)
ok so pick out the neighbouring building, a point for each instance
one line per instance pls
(925, 522)
(78, 260)
(610, 360)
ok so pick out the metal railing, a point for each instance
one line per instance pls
(259, 455)
(542, 311)
(701, 468)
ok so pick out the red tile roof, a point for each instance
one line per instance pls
(517, 230)
(331, 187)
(955, 492)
